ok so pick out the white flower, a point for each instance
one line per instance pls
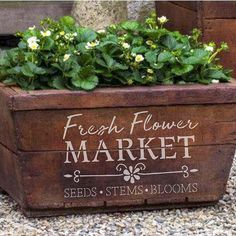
(215, 81)
(209, 48)
(32, 28)
(67, 36)
(133, 54)
(33, 45)
(77, 52)
(131, 174)
(162, 19)
(90, 45)
(125, 45)
(139, 58)
(102, 31)
(150, 71)
(62, 33)
(66, 57)
(46, 33)
(75, 34)
(32, 40)
(149, 42)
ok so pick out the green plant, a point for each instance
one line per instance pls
(63, 55)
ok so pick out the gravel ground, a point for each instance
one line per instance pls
(216, 220)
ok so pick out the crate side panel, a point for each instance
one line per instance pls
(53, 183)
(45, 130)
(191, 5)
(7, 128)
(219, 9)
(184, 24)
(220, 30)
(10, 174)
(133, 96)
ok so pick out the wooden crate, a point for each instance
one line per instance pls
(216, 19)
(116, 149)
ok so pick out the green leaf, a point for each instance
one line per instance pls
(151, 57)
(200, 53)
(22, 45)
(27, 70)
(165, 56)
(48, 44)
(30, 70)
(157, 65)
(180, 70)
(140, 49)
(130, 25)
(39, 71)
(216, 74)
(137, 41)
(86, 71)
(9, 81)
(118, 66)
(86, 35)
(58, 82)
(109, 60)
(86, 84)
(100, 62)
(67, 21)
(4, 61)
(14, 70)
(170, 42)
(198, 57)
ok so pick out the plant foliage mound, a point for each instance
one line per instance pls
(61, 54)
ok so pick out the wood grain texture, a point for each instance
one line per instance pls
(186, 4)
(10, 175)
(210, 184)
(220, 30)
(219, 9)
(21, 15)
(7, 131)
(212, 129)
(173, 11)
(126, 97)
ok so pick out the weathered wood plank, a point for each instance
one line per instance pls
(219, 9)
(127, 97)
(213, 32)
(10, 175)
(199, 185)
(50, 130)
(7, 131)
(176, 13)
(190, 5)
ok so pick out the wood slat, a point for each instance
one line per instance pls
(180, 18)
(210, 184)
(10, 175)
(7, 131)
(221, 30)
(44, 130)
(219, 9)
(126, 97)
(190, 5)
